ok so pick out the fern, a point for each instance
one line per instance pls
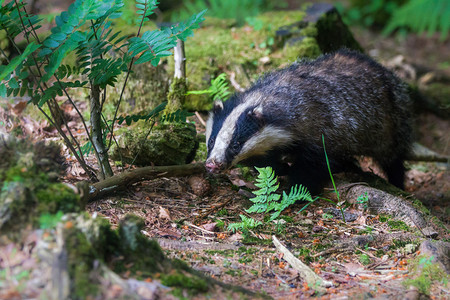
(145, 8)
(101, 55)
(267, 183)
(134, 118)
(421, 16)
(245, 224)
(267, 201)
(219, 89)
(297, 193)
(156, 43)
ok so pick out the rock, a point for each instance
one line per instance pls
(167, 144)
(439, 250)
(199, 185)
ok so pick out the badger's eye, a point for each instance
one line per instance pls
(235, 147)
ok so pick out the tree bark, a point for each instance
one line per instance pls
(120, 181)
(97, 134)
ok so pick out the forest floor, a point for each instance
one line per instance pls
(194, 228)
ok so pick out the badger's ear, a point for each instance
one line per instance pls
(217, 106)
(256, 113)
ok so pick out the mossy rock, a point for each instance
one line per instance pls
(269, 41)
(89, 257)
(28, 186)
(167, 144)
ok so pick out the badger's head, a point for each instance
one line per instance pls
(241, 128)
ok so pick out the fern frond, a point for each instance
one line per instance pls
(421, 16)
(151, 46)
(65, 35)
(257, 208)
(186, 29)
(218, 90)
(179, 116)
(16, 61)
(105, 71)
(145, 8)
(134, 118)
(245, 224)
(14, 20)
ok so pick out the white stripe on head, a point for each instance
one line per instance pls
(229, 126)
(267, 139)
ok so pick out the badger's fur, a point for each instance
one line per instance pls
(360, 107)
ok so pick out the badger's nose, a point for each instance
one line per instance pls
(213, 167)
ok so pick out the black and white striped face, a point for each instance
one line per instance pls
(239, 129)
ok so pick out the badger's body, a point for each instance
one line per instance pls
(360, 107)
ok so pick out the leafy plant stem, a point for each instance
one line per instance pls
(123, 87)
(53, 105)
(331, 176)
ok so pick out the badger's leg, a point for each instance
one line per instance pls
(311, 170)
(395, 171)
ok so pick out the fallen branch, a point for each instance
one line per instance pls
(380, 202)
(422, 153)
(120, 181)
(313, 280)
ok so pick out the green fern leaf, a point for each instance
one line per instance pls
(145, 8)
(185, 29)
(16, 61)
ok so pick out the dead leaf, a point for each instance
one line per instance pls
(164, 214)
(235, 238)
(362, 220)
(210, 226)
(19, 107)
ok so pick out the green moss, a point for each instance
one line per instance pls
(247, 250)
(427, 272)
(167, 144)
(80, 259)
(364, 259)
(216, 47)
(398, 225)
(191, 283)
(309, 48)
(176, 95)
(57, 197)
(202, 151)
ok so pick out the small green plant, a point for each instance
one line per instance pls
(49, 221)
(422, 16)
(266, 200)
(363, 199)
(98, 53)
(219, 89)
(327, 216)
(245, 224)
(364, 259)
(339, 204)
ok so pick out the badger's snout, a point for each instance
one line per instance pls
(213, 167)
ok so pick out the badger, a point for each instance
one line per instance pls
(359, 107)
